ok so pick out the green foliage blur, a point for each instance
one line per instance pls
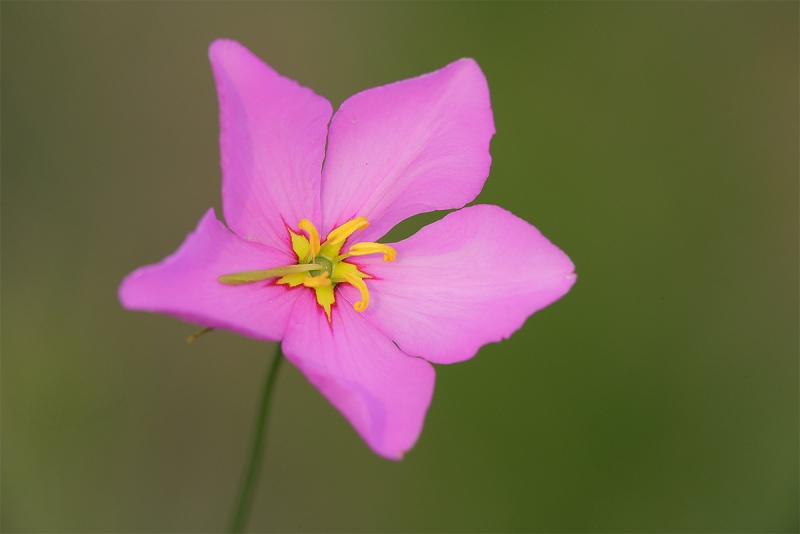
(656, 143)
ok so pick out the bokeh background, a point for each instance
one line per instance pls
(656, 143)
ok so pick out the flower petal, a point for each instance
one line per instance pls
(381, 391)
(272, 143)
(186, 284)
(469, 279)
(409, 147)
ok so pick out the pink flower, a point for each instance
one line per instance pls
(299, 263)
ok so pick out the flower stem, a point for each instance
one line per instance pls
(247, 490)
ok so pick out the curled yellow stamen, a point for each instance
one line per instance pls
(359, 284)
(317, 281)
(313, 236)
(344, 231)
(362, 249)
(247, 277)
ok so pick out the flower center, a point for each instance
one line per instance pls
(325, 263)
(321, 265)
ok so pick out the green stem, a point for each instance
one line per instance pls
(250, 478)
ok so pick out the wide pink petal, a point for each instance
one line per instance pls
(469, 279)
(381, 391)
(409, 147)
(186, 284)
(272, 141)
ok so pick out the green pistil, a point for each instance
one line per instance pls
(247, 277)
(325, 263)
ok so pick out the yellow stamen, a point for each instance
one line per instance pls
(362, 249)
(346, 230)
(326, 262)
(359, 284)
(313, 236)
(247, 277)
(317, 281)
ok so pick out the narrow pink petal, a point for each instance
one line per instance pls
(186, 284)
(381, 391)
(469, 279)
(409, 147)
(272, 143)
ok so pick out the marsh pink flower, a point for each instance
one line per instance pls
(299, 262)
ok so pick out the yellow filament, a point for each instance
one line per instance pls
(359, 284)
(344, 231)
(317, 281)
(362, 249)
(313, 236)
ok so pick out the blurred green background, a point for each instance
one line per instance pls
(656, 143)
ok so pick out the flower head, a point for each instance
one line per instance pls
(300, 262)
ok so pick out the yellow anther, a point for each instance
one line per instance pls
(313, 236)
(359, 284)
(344, 231)
(317, 281)
(362, 249)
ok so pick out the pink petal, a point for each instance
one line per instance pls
(381, 391)
(409, 147)
(272, 143)
(469, 279)
(186, 284)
